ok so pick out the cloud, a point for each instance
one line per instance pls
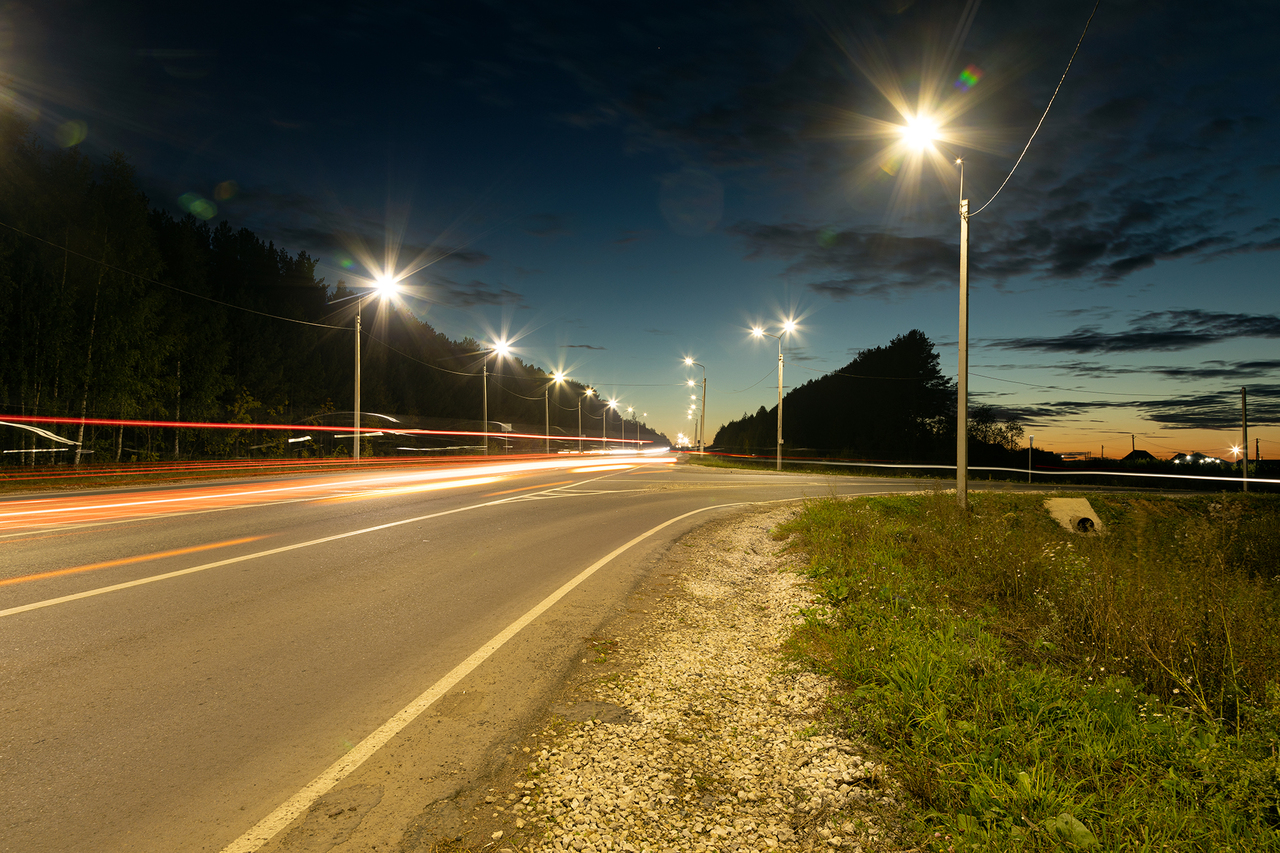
(865, 263)
(474, 293)
(581, 346)
(1233, 371)
(546, 225)
(1217, 410)
(1156, 331)
(660, 331)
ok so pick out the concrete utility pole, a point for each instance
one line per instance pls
(1244, 446)
(962, 371)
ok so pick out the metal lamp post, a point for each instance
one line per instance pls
(500, 348)
(382, 286)
(759, 332)
(604, 424)
(556, 378)
(586, 393)
(702, 426)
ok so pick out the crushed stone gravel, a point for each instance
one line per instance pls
(708, 740)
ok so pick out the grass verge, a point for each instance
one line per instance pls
(1039, 690)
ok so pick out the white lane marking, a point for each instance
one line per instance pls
(89, 593)
(291, 809)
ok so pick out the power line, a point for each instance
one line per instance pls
(1072, 390)
(1046, 109)
(140, 277)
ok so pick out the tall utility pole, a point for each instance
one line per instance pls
(1244, 445)
(962, 389)
(355, 444)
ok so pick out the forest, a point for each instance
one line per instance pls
(114, 310)
(892, 403)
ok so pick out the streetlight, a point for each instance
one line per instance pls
(586, 393)
(501, 348)
(1031, 442)
(604, 425)
(630, 411)
(703, 426)
(760, 333)
(921, 133)
(556, 378)
(383, 286)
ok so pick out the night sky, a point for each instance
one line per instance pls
(618, 186)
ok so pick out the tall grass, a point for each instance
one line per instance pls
(1038, 689)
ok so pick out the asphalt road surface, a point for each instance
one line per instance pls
(192, 667)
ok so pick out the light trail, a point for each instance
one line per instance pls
(527, 488)
(62, 511)
(126, 561)
(408, 490)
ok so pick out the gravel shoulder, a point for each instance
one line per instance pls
(684, 728)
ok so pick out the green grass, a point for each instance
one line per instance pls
(1039, 690)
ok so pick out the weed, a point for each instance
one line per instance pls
(1037, 690)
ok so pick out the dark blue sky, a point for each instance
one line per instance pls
(621, 185)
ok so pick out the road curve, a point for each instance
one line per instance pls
(188, 668)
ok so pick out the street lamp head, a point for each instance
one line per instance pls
(758, 332)
(789, 326)
(558, 377)
(688, 360)
(689, 383)
(502, 348)
(588, 392)
(920, 132)
(385, 285)
(613, 404)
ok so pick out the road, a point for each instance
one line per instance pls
(179, 664)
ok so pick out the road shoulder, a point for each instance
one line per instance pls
(684, 728)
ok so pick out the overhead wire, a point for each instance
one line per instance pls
(1046, 110)
(172, 287)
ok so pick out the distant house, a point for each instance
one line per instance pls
(1138, 456)
(1193, 459)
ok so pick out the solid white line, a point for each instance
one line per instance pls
(287, 812)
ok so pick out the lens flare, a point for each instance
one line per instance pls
(968, 78)
(71, 133)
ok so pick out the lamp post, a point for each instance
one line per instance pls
(382, 286)
(962, 383)
(703, 423)
(586, 393)
(921, 133)
(556, 378)
(1031, 442)
(500, 348)
(760, 333)
(630, 411)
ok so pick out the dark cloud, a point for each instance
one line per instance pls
(1233, 372)
(474, 293)
(1218, 410)
(866, 263)
(1156, 331)
(580, 346)
(660, 331)
(547, 225)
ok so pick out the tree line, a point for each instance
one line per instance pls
(111, 309)
(891, 403)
